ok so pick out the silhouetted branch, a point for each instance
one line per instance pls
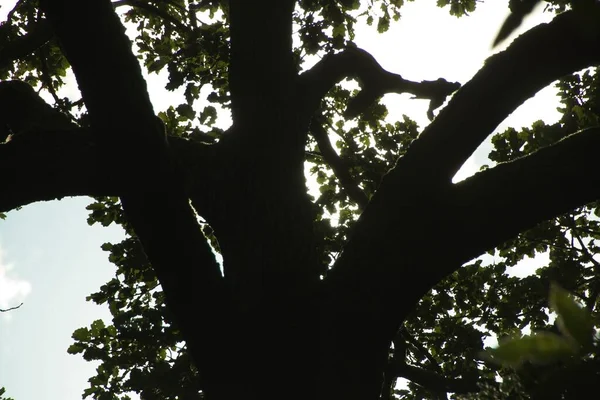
(417, 203)
(156, 204)
(374, 80)
(514, 196)
(533, 61)
(338, 166)
(421, 349)
(11, 308)
(262, 65)
(433, 381)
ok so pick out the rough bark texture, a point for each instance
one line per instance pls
(270, 328)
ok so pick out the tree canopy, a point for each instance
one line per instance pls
(335, 296)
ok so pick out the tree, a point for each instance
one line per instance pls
(305, 309)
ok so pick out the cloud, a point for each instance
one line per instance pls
(12, 289)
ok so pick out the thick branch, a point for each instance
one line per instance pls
(417, 183)
(53, 165)
(533, 61)
(338, 166)
(375, 81)
(511, 197)
(114, 91)
(49, 165)
(23, 110)
(262, 65)
(383, 270)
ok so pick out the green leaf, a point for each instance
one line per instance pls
(81, 334)
(540, 348)
(383, 24)
(573, 321)
(75, 348)
(208, 114)
(339, 30)
(97, 326)
(186, 111)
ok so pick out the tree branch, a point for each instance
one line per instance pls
(374, 80)
(338, 166)
(416, 202)
(533, 61)
(155, 203)
(512, 197)
(50, 165)
(262, 67)
(10, 308)
(432, 381)
(44, 146)
(23, 110)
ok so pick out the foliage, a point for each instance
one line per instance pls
(143, 351)
(2, 392)
(576, 336)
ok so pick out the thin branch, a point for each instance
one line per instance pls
(591, 232)
(11, 308)
(421, 349)
(591, 300)
(435, 382)
(586, 251)
(262, 66)
(338, 166)
(46, 78)
(374, 80)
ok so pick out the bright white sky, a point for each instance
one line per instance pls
(50, 259)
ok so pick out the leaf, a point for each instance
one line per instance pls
(186, 111)
(81, 334)
(97, 326)
(519, 10)
(540, 348)
(209, 113)
(383, 24)
(573, 321)
(75, 348)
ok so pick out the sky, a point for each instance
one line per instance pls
(50, 259)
